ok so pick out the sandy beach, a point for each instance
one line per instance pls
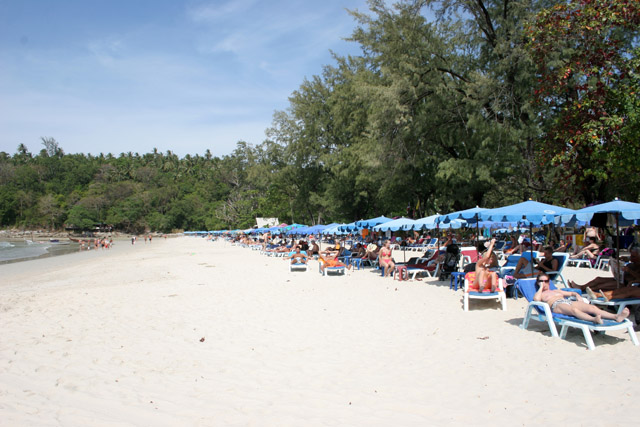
(185, 331)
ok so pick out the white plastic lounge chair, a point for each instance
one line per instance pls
(499, 296)
(340, 270)
(542, 312)
(298, 266)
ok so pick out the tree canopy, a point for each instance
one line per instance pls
(450, 104)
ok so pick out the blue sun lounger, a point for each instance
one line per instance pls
(541, 312)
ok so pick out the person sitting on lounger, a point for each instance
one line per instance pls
(385, 259)
(523, 269)
(297, 256)
(548, 262)
(571, 304)
(631, 275)
(358, 251)
(485, 276)
(589, 251)
(561, 246)
(314, 249)
(372, 251)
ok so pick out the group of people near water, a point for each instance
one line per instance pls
(104, 243)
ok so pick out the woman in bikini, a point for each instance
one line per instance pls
(485, 277)
(589, 250)
(571, 304)
(386, 261)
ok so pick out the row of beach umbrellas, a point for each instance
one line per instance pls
(525, 214)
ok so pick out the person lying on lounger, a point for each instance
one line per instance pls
(631, 275)
(571, 304)
(297, 256)
(330, 260)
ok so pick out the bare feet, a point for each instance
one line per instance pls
(625, 313)
(597, 319)
(604, 296)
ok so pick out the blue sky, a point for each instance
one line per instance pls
(181, 75)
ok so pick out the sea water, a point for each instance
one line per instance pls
(22, 250)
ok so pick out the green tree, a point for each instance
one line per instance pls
(588, 83)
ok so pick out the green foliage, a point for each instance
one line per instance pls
(451, 104)
(588, 84)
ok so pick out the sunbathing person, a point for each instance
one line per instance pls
(385, 259)
(631, 275)
(484, 276)
(358, 251)
(562, 246)
(372, 251)
(314, 249)
(297, 256)
(589, 251)
(548, 262)
(330, 260)
(571, 304)
(523, 269)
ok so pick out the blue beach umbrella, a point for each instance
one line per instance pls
(426, 223)
(535, 212)
(395, 225)
(372, 222)
(335, 229)
(626, 210)
(315, 229)
(469, 215)
(618, 208)
(345, 228)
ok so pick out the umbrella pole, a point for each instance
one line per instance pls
(618, 249)
(477, 232)
(531, 241)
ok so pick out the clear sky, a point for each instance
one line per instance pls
(114, 76)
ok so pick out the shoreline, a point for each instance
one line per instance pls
(187, 331)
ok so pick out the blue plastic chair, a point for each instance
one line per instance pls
(541, 312)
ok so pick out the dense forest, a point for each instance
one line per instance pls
(451, 104)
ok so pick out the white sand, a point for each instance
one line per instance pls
(115, 339)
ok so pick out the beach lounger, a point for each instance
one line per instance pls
(469, 255)
(541, 312)
(339, 270)
(499, 296)
(298, 266)
(617, 304)
(557, 276)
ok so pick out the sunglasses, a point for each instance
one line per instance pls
(543, 281)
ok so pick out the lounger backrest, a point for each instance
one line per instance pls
(527, 287)
(562, 258)
(512, 261)
(471, 252)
